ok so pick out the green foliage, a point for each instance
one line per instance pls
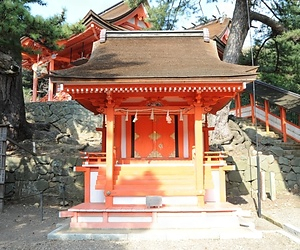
(13, 18)
(134, 3)
(164, 14)
(280, 64)
(289, 13)
(27, 78)
(16, 21)
(279, 57)
(27, 94)
(159, 17)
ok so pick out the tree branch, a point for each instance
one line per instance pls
(260, 48)
(271, 10)
(277, 28)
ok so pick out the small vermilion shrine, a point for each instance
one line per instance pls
(154, 89)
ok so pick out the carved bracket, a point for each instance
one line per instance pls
(101, 110)
(109, 97)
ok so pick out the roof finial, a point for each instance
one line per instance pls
(206, 35)
(103, 36)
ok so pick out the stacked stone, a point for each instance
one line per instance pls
(28, 177)
(3, 137)
(72, 129)
(282, 162)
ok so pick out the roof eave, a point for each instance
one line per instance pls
(69, 80)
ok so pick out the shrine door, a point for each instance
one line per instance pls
(154, 138)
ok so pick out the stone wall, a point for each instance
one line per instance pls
(273, 156)
(68, 118)
(72, 129)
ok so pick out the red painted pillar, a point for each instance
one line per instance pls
(205, 134)
(35, 80)
(87, 182)
(34, 86)
(103, 133)
(109, 154)
(87, 185)
(267, 110)
(199, 154)
(283, 123)
(238, 109)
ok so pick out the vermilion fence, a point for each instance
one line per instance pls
(264, 114)
(278, 123)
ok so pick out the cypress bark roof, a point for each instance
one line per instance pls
(217, 28)
(276, 95)
(182, 55)
(115, 11)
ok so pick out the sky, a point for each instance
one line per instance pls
(77, 9)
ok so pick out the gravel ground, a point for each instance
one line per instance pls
(22, 227)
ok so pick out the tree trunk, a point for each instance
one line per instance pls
(233, 50)
(238, 32)
(12, 107)
(222, 133)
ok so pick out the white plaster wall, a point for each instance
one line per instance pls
(95, 195)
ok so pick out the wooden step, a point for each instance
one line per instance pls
(161, 170)
(96, 215)
(155, 191)
(155, 182)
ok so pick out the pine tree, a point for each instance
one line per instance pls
(165, 16)
(16, 21)
(278, 56)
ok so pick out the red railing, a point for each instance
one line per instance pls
(263, 114)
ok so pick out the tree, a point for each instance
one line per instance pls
(164, 15)
(278, 56)
(16, 22)
(245, 12)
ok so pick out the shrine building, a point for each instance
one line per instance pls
(154, 90)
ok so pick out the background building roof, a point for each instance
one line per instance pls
(276, 95)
